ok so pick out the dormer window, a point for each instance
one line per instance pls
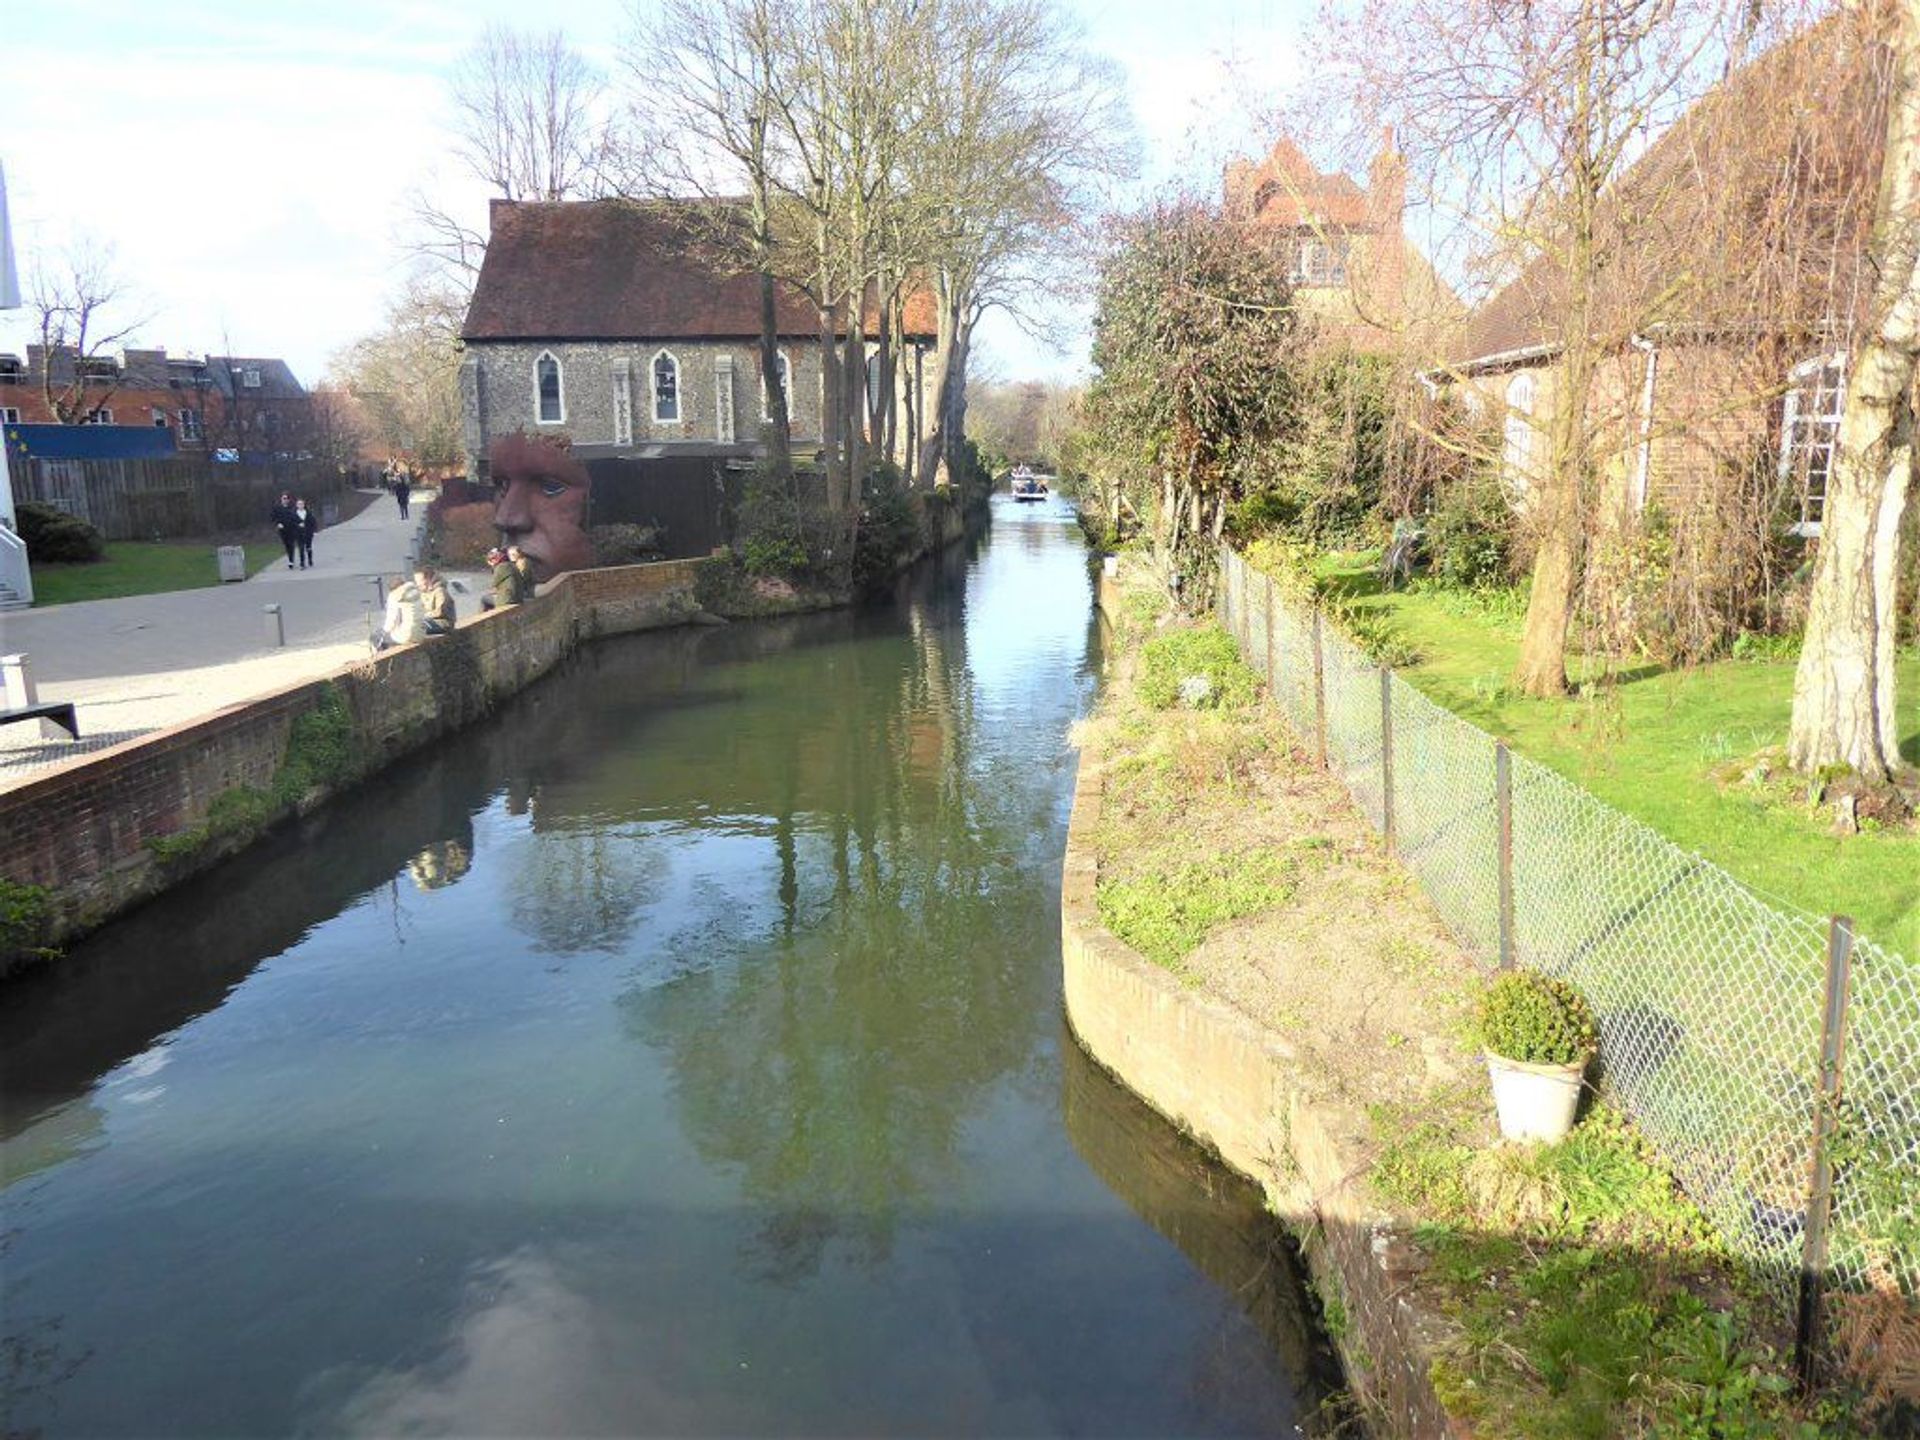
(250, 377)
(11, 369)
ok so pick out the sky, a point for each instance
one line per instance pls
(248, 167)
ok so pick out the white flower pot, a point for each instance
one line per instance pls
(1535, 1102)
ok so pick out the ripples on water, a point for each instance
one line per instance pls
(679, 1052)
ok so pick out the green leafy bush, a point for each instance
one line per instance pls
(1536, 1020)
(1206, 651)
(56, 538)
(1469, 535)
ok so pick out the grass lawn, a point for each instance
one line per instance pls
(1649, 744)
(139, 567)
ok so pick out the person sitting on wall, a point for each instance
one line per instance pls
(436, 602)
(506, 581)
(517, 558)
(404, 618)
(541, 500)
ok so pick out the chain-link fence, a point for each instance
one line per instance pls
(1710, 1001)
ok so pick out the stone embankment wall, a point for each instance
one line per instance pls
(82, 844)
(1241, 1090)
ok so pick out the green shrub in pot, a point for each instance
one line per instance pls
(1538, 1034)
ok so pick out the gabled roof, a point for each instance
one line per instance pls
(1749, 214)
(618, 270)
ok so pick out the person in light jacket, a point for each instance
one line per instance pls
(405, 617)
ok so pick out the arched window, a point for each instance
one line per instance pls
(549, 402)
(666, 388)
(1518, 457)
(785, 372)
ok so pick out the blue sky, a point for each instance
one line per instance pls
(249, 165)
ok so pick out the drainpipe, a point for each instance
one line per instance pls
(1644, 466)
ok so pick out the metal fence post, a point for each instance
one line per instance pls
(1503, 804)
(1273, 650)
(1319, 689)
(1386, 755)
(1833, 1049)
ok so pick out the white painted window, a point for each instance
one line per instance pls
(190, 425)
(160, 418)
(549, 395)
(622, 403)
(666, 389)
(101, 416)
(9, 415)
(723, 399)
(250, 377)
(1810, 433)
(1517, 460)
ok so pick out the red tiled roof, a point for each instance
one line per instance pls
(616, 270)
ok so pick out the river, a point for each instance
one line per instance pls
(678, 1052)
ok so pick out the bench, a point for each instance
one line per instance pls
(60, 713)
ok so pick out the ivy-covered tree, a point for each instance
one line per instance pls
(1196, 350)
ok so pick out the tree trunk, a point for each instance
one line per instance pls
(953, 398)
(1843, 690)
(830, 407)
(853, 379)
(933, 448)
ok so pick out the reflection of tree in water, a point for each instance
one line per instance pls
(839, 1057)
(578, 889)
(440, 864)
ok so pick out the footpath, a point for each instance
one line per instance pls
(143, 662)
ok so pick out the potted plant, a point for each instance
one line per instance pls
(1538, 1035)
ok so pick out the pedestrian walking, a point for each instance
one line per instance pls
(287, 525)
(305, 523)
(403, 491)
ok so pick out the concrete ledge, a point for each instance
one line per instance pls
(84, 832)
(1243, 1091)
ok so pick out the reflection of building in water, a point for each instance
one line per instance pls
(440, 864)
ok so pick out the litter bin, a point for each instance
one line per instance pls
(233, 562)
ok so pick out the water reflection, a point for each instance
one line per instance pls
(677, 1052)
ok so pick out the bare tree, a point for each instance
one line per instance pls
(528, 123)
(75, 302)
(1521, 116)
(1843, 692)
(526, 115)
(405, 376)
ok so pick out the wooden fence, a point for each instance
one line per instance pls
(166, 499)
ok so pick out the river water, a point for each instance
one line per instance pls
(679, 1052)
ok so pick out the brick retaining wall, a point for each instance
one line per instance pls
(1241, 1090)
(84, 832)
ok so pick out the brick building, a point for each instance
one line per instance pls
(1352, 267)
(611, 324)
(1735, 269)
(249, 404)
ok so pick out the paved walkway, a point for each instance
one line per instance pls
(148, 661)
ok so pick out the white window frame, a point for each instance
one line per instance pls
(723, 408)
(99, 415)
(679, 388)
(160, 420)
(559, 389)
(9, 415)
(190, 428)
(1804, 379)
(785, 367)
(1519, 438)
(250, 377)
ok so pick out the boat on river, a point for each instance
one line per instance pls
(1028, 486)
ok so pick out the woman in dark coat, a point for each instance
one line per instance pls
(287, 526)
(305, 523)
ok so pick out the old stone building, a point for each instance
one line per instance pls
(613, 325)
